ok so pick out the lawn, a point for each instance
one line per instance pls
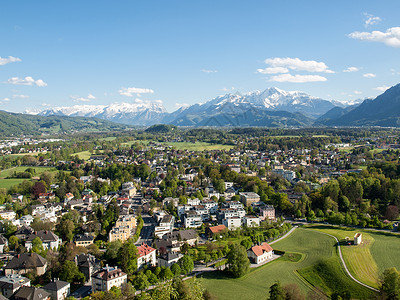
(7, 183)
(359, 260)
(38, 170)
(108, 139)
(312, 249)
(83, 155)
(198, 146)
(385, 250)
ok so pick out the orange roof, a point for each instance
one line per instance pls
(260, 249)
(217, 229)
(144, 249)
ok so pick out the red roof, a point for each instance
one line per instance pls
(145, 249)
(260, 249)
(217, 229)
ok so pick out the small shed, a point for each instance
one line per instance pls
(357, 238)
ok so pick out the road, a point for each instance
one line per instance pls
(147, 233)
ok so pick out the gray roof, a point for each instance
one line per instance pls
(31, 293)
(26, 261)
(44, 235)
(56, 285)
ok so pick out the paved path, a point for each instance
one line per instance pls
(284, 236)
(344, 264)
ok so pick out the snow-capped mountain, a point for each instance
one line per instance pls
(256, 103)
(145, 113)
(261, 108)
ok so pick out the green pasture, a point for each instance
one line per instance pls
(311, 261)
(38, 170)
(198, 146)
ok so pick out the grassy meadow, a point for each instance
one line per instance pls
(311, 260)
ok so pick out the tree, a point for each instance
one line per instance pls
(238, 262)
(390, 284)
(66, 228)
(70, 272)
(37, 246)
(128, 257)
(112, 250)
(141, 282)
(276, 292)
(186, 264)
(176, 269)
(13, 242)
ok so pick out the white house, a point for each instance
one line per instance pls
(58, 289)
(251, 221)
(105, 278)
(358, 239)
(146, 256)
(260, 253)
(192, 220)
(232, 223)
(169, 259)
(48, 238)
(8, 215)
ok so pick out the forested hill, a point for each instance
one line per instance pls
(12, 124)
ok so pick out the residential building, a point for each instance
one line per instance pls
(87, 264)
(211, 231)
(192, 220)
(232, 223)
(8, 215)
(267, 212)
(3, 243)
(165, 225)
(26, 262)
(169, 259)
(48, 238)
(104, 279)
(58, 289)
(248, 198)
(251, 221)
(260, 253)
(83, 240)
(31, 293)
(11, 283)
(146, 256)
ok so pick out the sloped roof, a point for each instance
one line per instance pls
(145, 249)
(56, 285)
(217, 229)
(31, 293)
(261, 249)
(26, 261)
(44, 235)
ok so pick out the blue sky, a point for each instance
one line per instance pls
(63, 53)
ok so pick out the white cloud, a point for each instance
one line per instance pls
(391, 37)
(297, 78)
(130, 92)
(209, 71)
(371, 20)
(20, 96)
(89, 98)
(357, 92)
(369, 75)
(382, 88)
(351, 69)
(298, 64)
(273, 70)
(28, 80)
(45, 104)
(6, 99)
(7, 60)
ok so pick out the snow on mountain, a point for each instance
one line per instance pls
(145, 113)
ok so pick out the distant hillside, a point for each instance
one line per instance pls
(383, 111)
(161, 128)
(12, 124)
(334, 114)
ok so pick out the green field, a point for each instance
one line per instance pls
(83, 155)
(313, 260)
(366, 262)
(7, 183)
(108, 139)
(38, 171)
(198, 146)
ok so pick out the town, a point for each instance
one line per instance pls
(122, 216)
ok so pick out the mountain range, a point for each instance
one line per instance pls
(272, 107)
